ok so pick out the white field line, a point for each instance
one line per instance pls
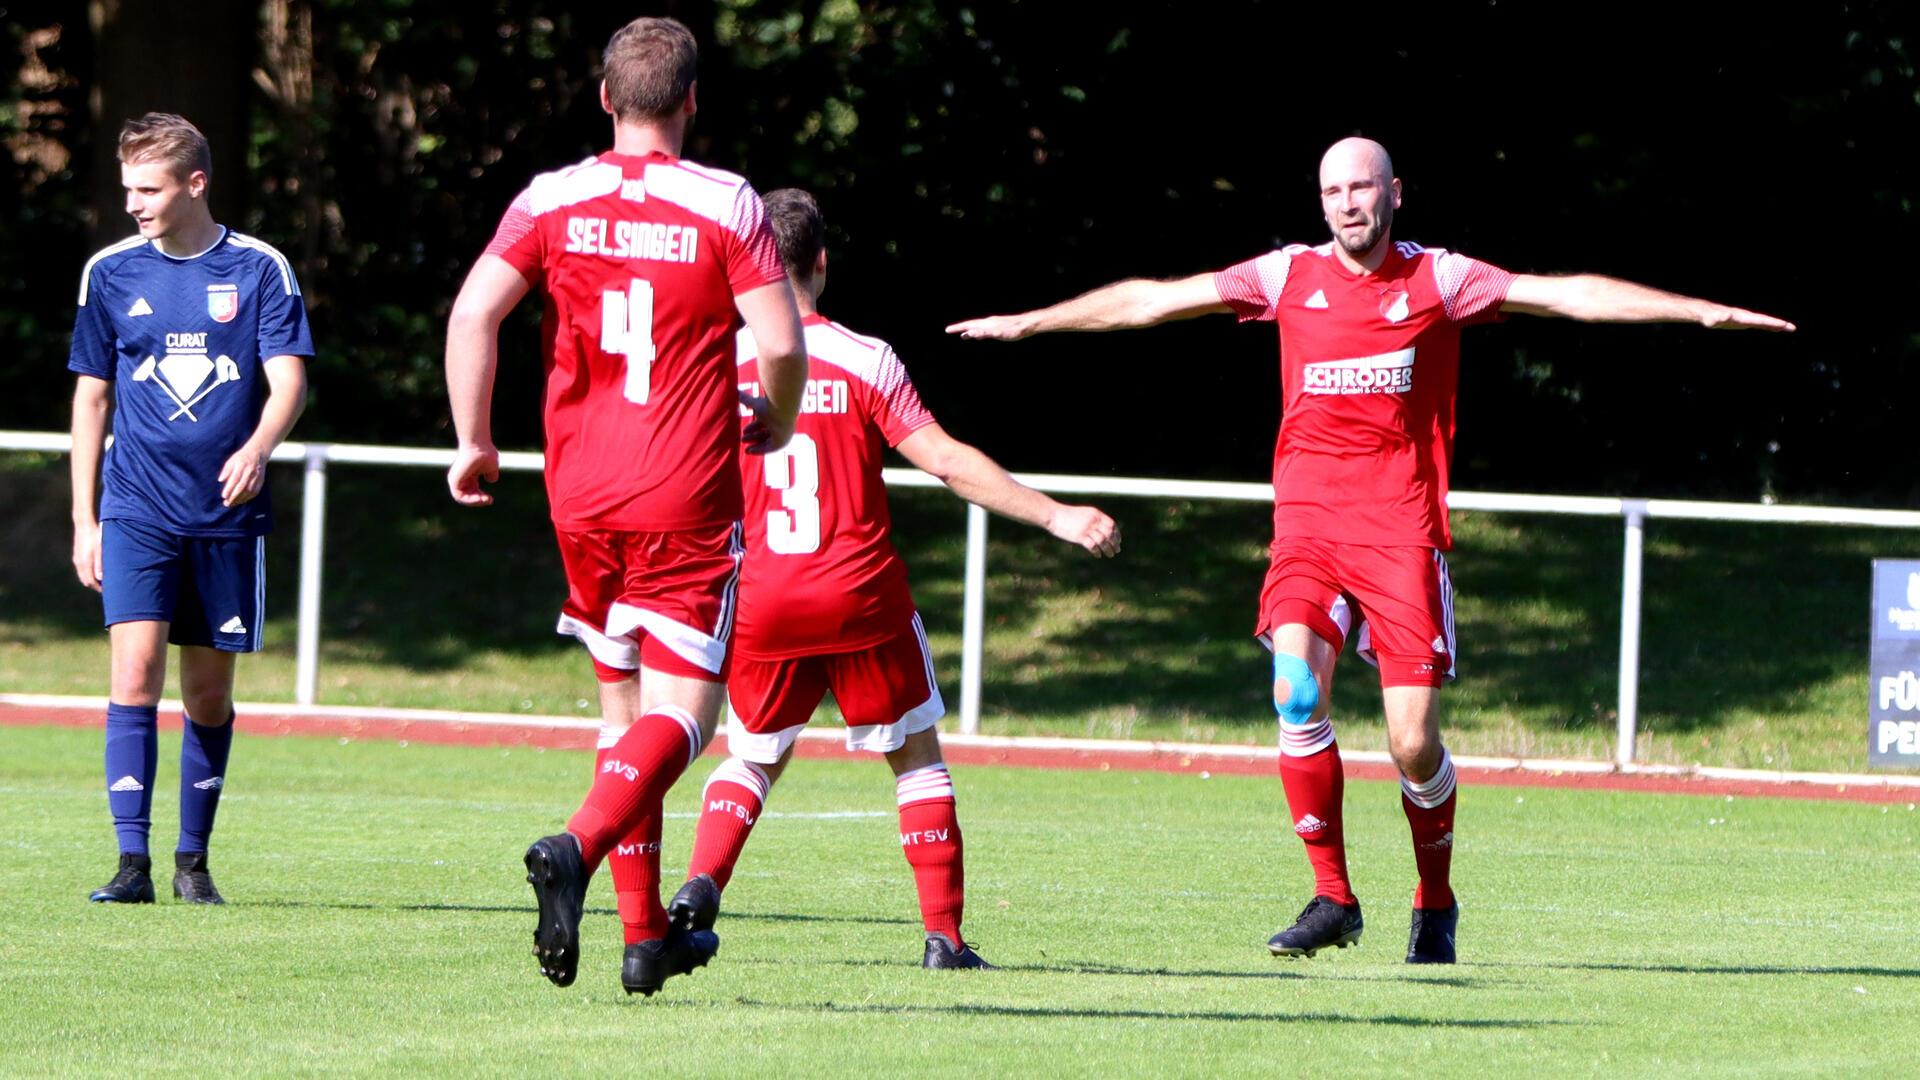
(1119, 747)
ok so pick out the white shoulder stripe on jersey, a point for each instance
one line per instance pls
(241, 240)
(1408, 249)
(576, 183)
(870, 360)
(86, 274)
(704, 195)
(718, 176)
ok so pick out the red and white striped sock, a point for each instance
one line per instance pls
(729, 805)
(1429, 807)
(633, 778)
(930, 839)
(1316, 784)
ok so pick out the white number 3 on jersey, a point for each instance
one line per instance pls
(794, 472)
(626, 329)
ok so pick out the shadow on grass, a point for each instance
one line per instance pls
(530, 909)
(1035, 1012)
(1731, 969)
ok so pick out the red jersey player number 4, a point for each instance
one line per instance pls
(643, 256)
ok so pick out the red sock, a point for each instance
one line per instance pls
(729, 805)
(1316, 785)
(634, 776)
(635, 862)
(1429, 808)
(930, 838)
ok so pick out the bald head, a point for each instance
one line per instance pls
(1358, 195)
(1356, 157)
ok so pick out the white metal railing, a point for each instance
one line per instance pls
(1635, 512)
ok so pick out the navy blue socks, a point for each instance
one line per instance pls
(203, 767)
(133, 755)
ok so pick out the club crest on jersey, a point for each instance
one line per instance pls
(223, 302)
(1393, 305)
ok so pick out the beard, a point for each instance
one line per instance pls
(1358, 246)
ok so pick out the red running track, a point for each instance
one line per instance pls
(966, 752)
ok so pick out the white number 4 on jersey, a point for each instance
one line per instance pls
(626, 329)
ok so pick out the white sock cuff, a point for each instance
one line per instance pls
(743, 773)
(1437, 788)
(1306, 741)
(687, 724)
(929, 782)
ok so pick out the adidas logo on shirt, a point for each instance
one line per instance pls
(127, 783)
(140, 307)
(1308, 825)
(211, 783)
(233, 626)
(1318, 301)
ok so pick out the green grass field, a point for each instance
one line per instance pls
(378, 924)
(1755, 636)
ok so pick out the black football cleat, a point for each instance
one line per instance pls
(696, 905)
(559, 881)
(648, 965)
(132, 885)
(943, 954)
(191, 881)
(1431, 940)
(1323, 924)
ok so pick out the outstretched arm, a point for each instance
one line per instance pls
(980, 480)
(1595, 298)
(492, 288)
(1120, 306)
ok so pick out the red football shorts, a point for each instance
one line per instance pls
(662, 599)
(885, 693)
(1402, 597)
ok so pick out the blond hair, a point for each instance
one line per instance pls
(167, 138)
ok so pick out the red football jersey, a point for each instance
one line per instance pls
(821, 574)
(1369, 372)
(639, 259)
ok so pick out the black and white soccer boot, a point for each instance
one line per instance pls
(696, 905)
(132, 885)
(943, 954)
(559, 880)
(1323, 924)
(191, 881)
(648, 965)
(1431, 939)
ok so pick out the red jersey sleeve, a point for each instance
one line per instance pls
(1471, 290)
(753, 259)
(517, 240)
(897, 407)
(1252, 288)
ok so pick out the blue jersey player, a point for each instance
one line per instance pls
(196, 334)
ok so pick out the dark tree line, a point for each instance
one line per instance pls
(1000, 154)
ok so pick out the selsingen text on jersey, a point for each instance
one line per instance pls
(632, 239)
(821, 396)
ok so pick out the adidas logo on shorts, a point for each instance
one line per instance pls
(233, 626)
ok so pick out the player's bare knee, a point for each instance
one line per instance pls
(921, 749)
(1415, 755)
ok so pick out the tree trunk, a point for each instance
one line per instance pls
(191, 59)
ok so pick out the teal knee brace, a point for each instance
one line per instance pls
(1296, 709)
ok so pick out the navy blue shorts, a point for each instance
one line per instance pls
(212, 590)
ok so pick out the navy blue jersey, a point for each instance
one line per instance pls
(183, 341)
